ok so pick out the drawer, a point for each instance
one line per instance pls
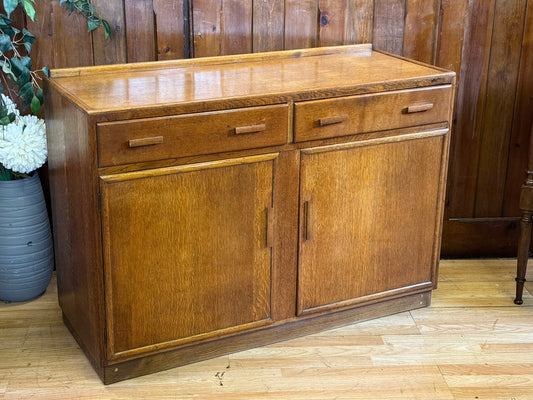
(374, 112)
(191, 134)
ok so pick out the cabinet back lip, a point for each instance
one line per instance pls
(214, 60)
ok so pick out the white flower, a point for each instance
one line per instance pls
(23, 144)
(11, 107)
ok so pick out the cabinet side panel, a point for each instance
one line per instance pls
(74, 206)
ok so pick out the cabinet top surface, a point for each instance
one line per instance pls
(274, 77)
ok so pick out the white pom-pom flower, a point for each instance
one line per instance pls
(23, 144)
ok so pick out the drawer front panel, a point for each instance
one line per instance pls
(368, 113)
(187, 135)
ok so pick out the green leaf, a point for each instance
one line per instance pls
(27, 36)
(17, 66)
(20, 70)
(27, 46)
(107, 28)
(26, 95)
(35, 105)
(93, 23)
(5, 43)
(23, 78)
(4, 20)
(10, 30)
(46, 71)
(3, 111)
(6, 68)
(26, 91)
(6, 118)
(10, 5)
(28, 7)
(70, 5)
(26, 61)
(39, 95)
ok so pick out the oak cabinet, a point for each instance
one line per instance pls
(207, 206)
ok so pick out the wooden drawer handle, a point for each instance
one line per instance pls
(331, 121)
(243, 130)
(419, 108)
(149, 141)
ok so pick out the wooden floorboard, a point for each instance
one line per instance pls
(471, 343)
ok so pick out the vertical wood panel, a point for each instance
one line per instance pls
(449, 55)
(236, 26)
(301, 17)
(523, 120)
(389, 24)
(498, 115)
(206, 27)
(359, 21)
(470, 105)
(63, 40)
(331, 22)
(268, 25)
(169, 29)
(451, 34)
(113, 50)
(421, 23)
(140, 30)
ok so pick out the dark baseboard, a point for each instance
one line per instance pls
(480, 237)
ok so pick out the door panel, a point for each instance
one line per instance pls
(369, 219)
(186, 251)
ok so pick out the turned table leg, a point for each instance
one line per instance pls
(523, 253)
(526, 210)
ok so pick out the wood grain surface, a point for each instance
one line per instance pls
(141, 36)
(472, 342)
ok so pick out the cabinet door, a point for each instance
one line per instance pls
(370, 216)
(186, 252)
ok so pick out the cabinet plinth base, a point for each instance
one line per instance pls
(275, 333)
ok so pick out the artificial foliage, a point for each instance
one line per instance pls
(19, 83)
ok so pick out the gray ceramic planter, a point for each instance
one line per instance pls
(26, 255)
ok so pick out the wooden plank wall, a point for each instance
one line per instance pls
(488, 43)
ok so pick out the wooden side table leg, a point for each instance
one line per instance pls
(523, 253)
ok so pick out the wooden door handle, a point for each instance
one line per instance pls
(149, 141)
(331, 121)
(415, 108)
(307, 220)
(243, 130)
(269, 227)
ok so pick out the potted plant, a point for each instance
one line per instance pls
(26, 255)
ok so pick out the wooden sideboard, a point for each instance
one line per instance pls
(207, 206)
